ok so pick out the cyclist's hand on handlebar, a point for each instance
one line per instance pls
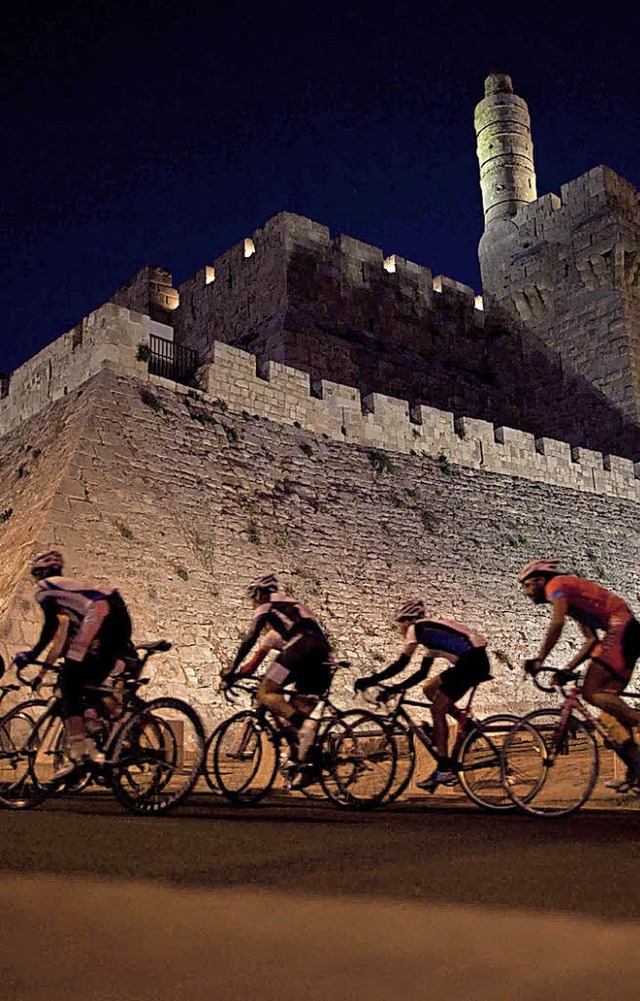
(22, 659)
(532, 666)
(563, 675)
(227, 679)
(361, 685)
(384, 694)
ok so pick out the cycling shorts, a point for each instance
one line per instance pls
(470, 669)
(303, 662)
(619, 648)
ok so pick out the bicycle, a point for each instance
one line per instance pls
(475, 756)
(16, 726)
(350, 761)
(556, 751)
(153, 750)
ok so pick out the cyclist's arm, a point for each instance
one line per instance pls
(583, 653)
(248, 642)
(49, 629)
(253, 662)
(388, 672)
(554, 631)
(413, 679)
(59, 641)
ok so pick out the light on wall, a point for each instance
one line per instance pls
(389, 264)
(209, 274)
(478, 303)
(249, 248)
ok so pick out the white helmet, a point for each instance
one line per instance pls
(267, 583)
(549, 567)
(47, 564)
(410, 610)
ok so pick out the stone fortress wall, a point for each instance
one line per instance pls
(112, 337)
(181, 498)
(341, 310)
(356, 424)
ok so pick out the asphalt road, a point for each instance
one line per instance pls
(425, 851)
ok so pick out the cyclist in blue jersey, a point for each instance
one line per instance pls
(304, 660)
(99, 635)
(464, 648)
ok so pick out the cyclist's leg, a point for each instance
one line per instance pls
(444, 691)
(71, 712)
(441, 704)
(601, 689)
(623, 745)
(311, 681)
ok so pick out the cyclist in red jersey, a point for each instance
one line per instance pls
(611, 643)
(303, 660)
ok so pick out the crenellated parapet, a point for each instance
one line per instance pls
(291, 281)
(286, 395)
(118, 339)
(110, 337)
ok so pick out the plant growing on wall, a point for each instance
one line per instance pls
(380, 462)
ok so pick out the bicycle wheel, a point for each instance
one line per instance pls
(245, 757)
(156, 756)
(19, 789)
(313, 786)
(549, 768)
(479, 767)
(405, 760)
(360, 759)
(207, 765)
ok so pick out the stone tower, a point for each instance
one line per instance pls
(505, 150)
(566, 270)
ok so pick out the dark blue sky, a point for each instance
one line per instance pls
(162, 133)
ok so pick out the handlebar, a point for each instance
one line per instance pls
(559, 679)
(157, 646)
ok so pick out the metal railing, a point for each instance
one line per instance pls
(172, 361)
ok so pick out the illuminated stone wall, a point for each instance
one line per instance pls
(180, 498)
(568, 268)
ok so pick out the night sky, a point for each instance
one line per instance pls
(162, 133)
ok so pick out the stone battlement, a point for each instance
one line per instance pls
(115, 337)
(598, 193)
(246, 291)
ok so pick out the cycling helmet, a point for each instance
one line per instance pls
(47, 564)
(409, 610)
(267, 583)
(538, 567)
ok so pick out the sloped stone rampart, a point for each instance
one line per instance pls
(113, 335)
(180, 501)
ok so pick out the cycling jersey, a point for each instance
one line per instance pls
(443, 638)
(84, 603)
(595, 607)
(587, 603)
(286, 616)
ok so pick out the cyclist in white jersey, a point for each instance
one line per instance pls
(100, 633)
(303, 660)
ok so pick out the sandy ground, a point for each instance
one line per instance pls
(72, 938)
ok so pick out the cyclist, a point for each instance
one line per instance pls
(611, 656)
(464, 648)
(100, 629)
(304, 660)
